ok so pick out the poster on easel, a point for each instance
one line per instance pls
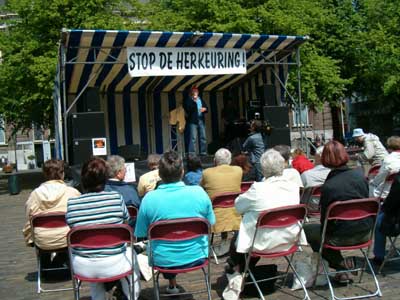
(99, 146)
(130, 172)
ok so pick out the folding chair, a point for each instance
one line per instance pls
(276, 218)
(393, 253)
(176, 230)
(311, 197)
(350, 210)
(245, 185)
(224, 200)
(133, 212)
(373, 172)
(48, 221)
(96, 237)
(387, 184)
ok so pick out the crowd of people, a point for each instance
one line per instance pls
(168, 191)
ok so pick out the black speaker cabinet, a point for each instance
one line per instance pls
(81, 150)
(278, 136)
(277, 116)
(267, 95)
(89, 101)
(87, 125)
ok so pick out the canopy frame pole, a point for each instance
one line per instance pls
(64, 100)
(299, 98)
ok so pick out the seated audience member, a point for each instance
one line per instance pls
(220, 179)
(275, 191)
(149, 180)
(388, 219)
(242, 161)
(194, 170)
(289, 173)
(116, 183)
(93, 207)
(390, 165)
(173, 199)
(317, 175)
(342, 184)
(254, 146)
(50, 196)
(300, 162)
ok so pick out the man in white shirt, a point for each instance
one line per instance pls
(317, 175)
(390, 165)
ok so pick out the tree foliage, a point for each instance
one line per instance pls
(353, 46)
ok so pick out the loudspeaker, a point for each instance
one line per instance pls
(267, 95)
(89, 101)
(81, 150)
(132, 152)
(87, 125)
(277, 116)
(278, 136)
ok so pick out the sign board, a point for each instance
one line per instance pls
(99, 146)
(46, 151)
(159, 61)
(130, 172)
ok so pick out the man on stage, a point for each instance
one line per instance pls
(195, 108)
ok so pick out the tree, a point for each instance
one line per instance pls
(30, 47)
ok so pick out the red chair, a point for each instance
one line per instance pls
(245, 185)
(95, 237)
(311, 197)
(350, 210)
(49, 221)
(224, 200)
(373, 172)
(133, 212)
(276, 218)
(176, 230)
(387, 184)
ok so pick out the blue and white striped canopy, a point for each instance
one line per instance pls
(137, 109)
(101, 54)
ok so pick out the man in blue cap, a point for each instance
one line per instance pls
(374, 152)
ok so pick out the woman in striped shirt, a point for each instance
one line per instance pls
(93, 207)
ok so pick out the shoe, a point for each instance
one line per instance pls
(222, 248)
(172, 290)
(342, 279)
(377, 261)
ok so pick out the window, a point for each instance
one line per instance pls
(2, 132)
(301, 117)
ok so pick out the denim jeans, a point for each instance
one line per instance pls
(189, 265)
(380, 239)
(194, 131)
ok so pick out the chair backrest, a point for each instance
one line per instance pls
(99, 236)
(373, 171)
(282, 216)
(225, 200)
(309, 193)
(133, 211)
(352, 210)
(245, 185)
(179, 229)
(49, 220)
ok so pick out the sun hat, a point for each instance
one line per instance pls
(358, 132)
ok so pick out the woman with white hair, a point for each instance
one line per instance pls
(275, 191)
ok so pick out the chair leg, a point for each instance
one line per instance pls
(287, 269)
(131, 286)
(39, 273)
(155, 285)
(392, 251)
(306, 296)
(378, 289)
(215, 255)
(317, 270)
(207, 283)
(326, 272)
(255, 283)
(76, 285)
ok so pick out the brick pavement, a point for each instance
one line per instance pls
(18, 264)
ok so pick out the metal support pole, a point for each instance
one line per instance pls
(299, 95)
(64, 100)
(342, 119)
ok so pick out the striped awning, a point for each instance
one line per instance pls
(97, 58)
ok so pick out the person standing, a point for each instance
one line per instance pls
(254, 146)
(195, 109)
(374, 152)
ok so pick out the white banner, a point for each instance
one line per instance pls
(157, 61)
